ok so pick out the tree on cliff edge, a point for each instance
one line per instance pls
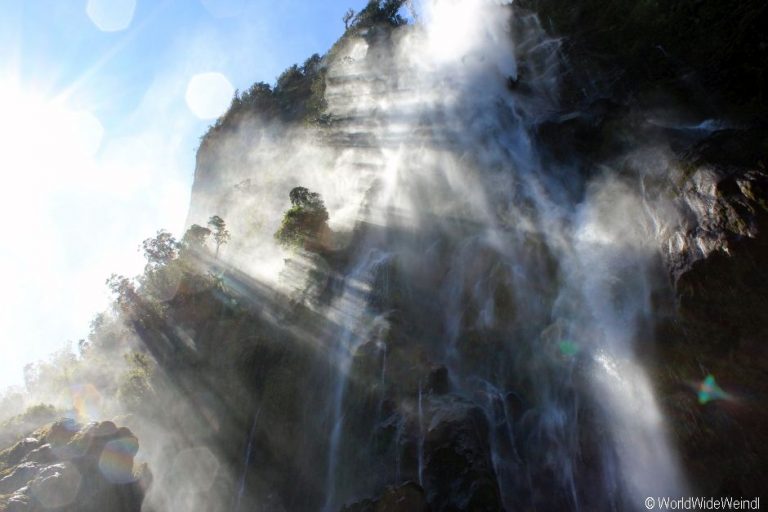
(220, 232)
(305, 224)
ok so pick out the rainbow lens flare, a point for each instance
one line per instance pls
(116, 461)
(568, 348)
(87, 401)
(709, 390)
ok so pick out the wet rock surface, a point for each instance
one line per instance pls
(68, 467)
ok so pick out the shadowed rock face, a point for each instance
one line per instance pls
(68, 467)
(718, 262)
(408, 497)
(717, 265)
(686, 50)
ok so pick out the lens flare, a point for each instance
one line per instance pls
(209, 95)
(709, 390)
(568, 348)
(86, 401)
(112, 15)
(116, 461)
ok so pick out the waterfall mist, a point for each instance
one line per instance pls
(431, 155)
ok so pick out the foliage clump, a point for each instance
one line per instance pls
(305, 224)
(298, 95)
(175, 269)
(15, 427)
(135, 390)
(376, 12)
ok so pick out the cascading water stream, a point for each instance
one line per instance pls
(356, 326)
(246, 461)
(420, 447)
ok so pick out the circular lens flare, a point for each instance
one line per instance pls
(111, 15)
(209, 95)
(116, 460)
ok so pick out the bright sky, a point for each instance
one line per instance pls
(102, 104)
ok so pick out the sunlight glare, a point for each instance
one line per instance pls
(452, 28)
(209, 95)
(42, 141)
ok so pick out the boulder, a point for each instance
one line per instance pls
(66, 467)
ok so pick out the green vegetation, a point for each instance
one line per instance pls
(386, 13)
(194, 239)
(298, 95)
(135, 390)
(305, 224)
(174, 271)
(17, 426)
(116, 370)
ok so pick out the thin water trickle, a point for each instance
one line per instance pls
(421, 438)
(246, 461)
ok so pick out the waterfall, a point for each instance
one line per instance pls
(525, 280)
(351, 313)
(460, 164)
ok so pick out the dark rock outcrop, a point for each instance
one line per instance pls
(408, 497)
(717, 260)
(458, 472)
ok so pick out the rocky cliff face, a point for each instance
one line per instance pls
(441, 355)
(67, 467)
(716, 263)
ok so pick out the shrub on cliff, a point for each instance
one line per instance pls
(305, 224)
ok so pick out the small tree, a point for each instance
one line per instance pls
(161, 249)
(348, 17)
(306, 222)
(124, 291)
(220, 233)
(194, 239)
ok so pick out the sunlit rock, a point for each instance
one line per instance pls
(56, 485)
(71, 467)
